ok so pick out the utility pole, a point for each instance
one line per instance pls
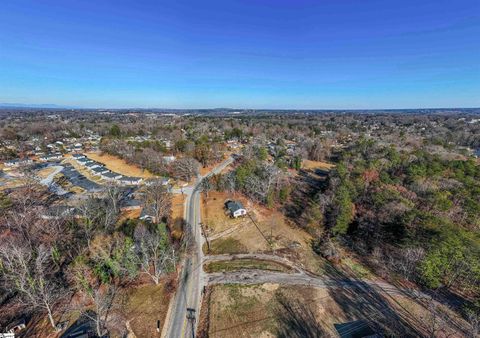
(191, 319)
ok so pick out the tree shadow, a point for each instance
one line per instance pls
(296, 319)
(307, 185)
(82, 326)
(360, 300)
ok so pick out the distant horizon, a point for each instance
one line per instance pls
(6, 105)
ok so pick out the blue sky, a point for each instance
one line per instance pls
(335, 54)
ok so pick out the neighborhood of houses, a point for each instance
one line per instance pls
(98, 169)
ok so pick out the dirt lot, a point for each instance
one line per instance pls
(119, 166)
(178, 204)
(269, 310)
(178, 207)
(270, 231)
(312, 165)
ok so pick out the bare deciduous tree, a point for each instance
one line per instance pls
(113, 193)
(155, 253)
(101, 295)
(185, 168)
(158, 199)
(29, 272)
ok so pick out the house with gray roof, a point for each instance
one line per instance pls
(235, 209)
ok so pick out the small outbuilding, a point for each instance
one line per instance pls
(235, 209)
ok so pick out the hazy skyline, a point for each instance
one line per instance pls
(245, 54)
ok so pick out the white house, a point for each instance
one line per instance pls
(110, 176)
(169, 159)
(99, 171)
(235, 209)
(128, 180)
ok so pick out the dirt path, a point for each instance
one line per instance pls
(262, 276)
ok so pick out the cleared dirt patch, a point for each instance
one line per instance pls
(178, 206)
(312, 165)
(177, 216)
(118, 165)
(238, 264)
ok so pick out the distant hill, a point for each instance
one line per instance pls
(28, 105)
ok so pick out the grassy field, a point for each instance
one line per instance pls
(225, 246)
(312, 165)
(238, 264)
(143, 306)
(118, 165)
(270, 310)
(177, 216)
(255, 311)
(45, 172)
(178, 206)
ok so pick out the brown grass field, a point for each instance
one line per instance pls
(43, 173)
(312, 165)
(118, 165)
(143, 306)
(242, 236)
(178, 206)
(259, 311)
(177, 216)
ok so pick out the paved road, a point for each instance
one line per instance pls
(191, 281)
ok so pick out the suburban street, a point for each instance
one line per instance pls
(191, 282)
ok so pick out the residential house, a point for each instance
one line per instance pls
(169, 158)
(99, 171)
(110, 176)
(128, 180)
(148, 215)
(17, 162)
(235, 209)
(92, 165)
(78, 156)
(51, 157)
